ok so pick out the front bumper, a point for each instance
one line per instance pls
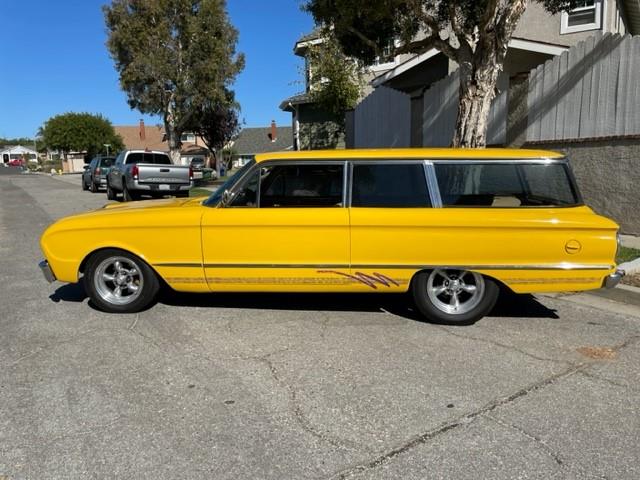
(46, 271)
(613, 279)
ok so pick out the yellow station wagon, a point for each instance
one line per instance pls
(449, 225)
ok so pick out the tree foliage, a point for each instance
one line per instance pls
(473, 33)
(216, 122)
(174, 57)
(337, 80)
(80, 132)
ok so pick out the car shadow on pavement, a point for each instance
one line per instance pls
(69, 292)
(508, 305)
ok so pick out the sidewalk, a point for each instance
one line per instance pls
(630, 241)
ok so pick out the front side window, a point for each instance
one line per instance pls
(389, 185)
(300, 185)
(505, 185)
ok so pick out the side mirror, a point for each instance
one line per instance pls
(227, 196)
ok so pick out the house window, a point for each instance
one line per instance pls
(386, 60)
(587, 15)
(188, 137)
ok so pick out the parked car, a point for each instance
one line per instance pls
(451, 226)
(95, 173)
(142, 172)
(16, 162)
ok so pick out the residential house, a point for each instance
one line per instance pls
(251, 141)
(569, 83)
(313, 127)
(17, 152)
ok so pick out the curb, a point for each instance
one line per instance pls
(630, 267)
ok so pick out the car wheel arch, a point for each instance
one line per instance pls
(83, 263)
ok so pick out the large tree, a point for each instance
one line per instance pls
(80, 132)
(216, 122)
(173, 56)
(473, 33)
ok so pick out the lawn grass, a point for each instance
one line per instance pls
(199, 192)
(627, 254)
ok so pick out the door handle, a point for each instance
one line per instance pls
(164, 170)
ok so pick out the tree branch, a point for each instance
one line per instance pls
(489, 14)
(364, 38)
(432, 41)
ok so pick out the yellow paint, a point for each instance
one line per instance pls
(340, 249)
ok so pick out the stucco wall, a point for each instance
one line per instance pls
(318, 130)
(537, 24)
(608, 174)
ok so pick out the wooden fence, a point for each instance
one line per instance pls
(383, 119)
(592, 90)
(441, 110)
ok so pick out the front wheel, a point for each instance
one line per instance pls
(457, 297)
(119, 282)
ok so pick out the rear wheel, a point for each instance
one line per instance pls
(454, 296)
(119, 282)
(129, 196)
(93, 187)
(111, 193)
(84, 185)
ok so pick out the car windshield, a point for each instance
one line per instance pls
(216, 196)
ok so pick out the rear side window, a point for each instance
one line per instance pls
(106, 162)
(505, 185)
(389, 185)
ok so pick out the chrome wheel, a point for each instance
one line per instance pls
(118, 280)
(455, 292)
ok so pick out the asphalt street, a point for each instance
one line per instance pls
(300, 386)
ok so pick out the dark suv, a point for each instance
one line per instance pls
(94, 176)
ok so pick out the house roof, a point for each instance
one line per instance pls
(297, 99)
(19, 148)
(251, 141)
(313, 38)
(153, 140)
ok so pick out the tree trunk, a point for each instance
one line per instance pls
(173, 136)
(477, 90)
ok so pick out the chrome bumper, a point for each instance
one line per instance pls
(46, 271)
(613, 279)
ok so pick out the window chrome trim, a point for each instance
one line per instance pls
(432, 184)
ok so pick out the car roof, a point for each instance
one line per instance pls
(413, 153)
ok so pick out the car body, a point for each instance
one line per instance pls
(145, 172)
(449, 225)
(94, 176)
(16, 162)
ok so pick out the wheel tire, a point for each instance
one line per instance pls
(93, 187)
(129, 196)
(119, 282)
(111, 193)
(454, 297)
(84, 185)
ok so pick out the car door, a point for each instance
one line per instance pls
(392, 223)
(115, 174)
(285, 229)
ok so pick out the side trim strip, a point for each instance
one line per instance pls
(559, 266)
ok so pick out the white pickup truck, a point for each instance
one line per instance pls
(143, 172)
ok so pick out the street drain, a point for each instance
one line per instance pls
(598, 353)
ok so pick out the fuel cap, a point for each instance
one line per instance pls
(572, 247)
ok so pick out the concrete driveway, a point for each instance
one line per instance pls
(301, 386)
